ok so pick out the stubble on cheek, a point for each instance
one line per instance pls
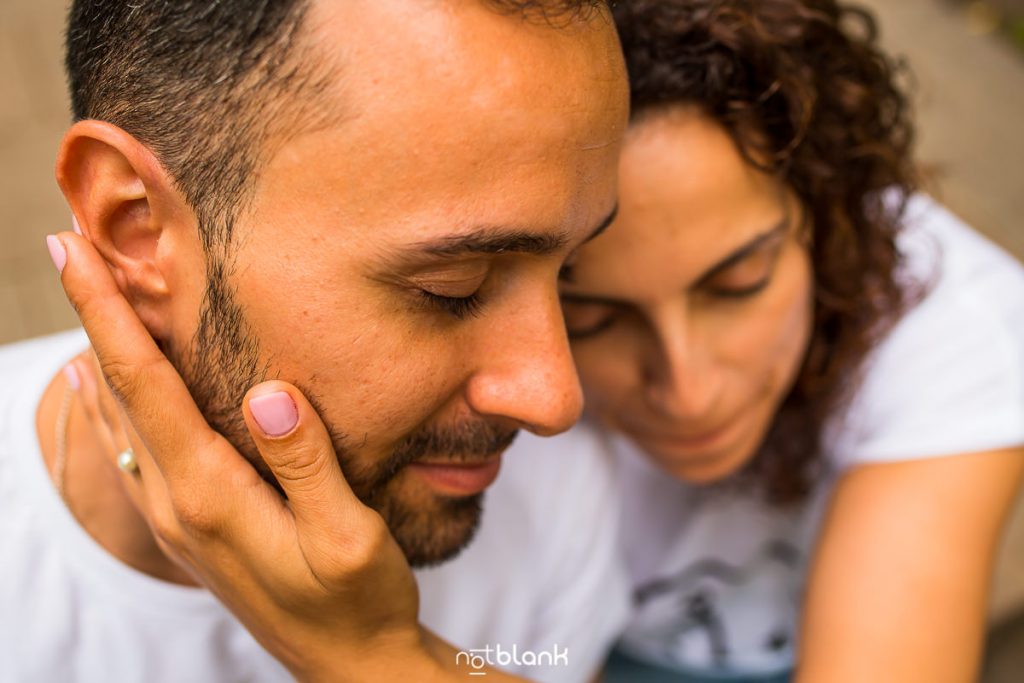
(226, 357)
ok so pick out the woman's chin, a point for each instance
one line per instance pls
(700, 469)
(701, 463)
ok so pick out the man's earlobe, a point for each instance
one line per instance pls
(122, 200)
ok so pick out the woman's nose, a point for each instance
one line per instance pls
(681, 379)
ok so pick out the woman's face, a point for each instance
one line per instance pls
(689, 319)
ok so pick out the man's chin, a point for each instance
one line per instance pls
(434, 533)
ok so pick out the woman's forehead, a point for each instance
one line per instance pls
(684, 187)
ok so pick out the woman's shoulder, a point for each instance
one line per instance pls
(949, 376)
(951, 258)
(968, 284)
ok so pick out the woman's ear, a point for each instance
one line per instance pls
(124, 202)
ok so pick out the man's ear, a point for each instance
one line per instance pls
(125, 203)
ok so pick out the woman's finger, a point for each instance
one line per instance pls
(163, 420)
(298, 449)
(98, 418)
(100, 402)
(144, 483)
(144, 381)
(202, 508)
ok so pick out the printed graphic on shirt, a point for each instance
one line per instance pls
(718, 616)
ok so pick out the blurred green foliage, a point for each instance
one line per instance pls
(1003, 17)
(1017, 32)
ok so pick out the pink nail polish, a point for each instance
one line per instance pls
(75, 226)
(275, 413)
(71, 373)
(57, 252)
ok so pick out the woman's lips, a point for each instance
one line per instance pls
(694, 443)
(456, 479)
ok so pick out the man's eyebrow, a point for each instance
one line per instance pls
(746, 250)
(488, 240)
(493, 240)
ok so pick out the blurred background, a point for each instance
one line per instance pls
(967, 57)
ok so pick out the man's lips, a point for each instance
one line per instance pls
(459, 479)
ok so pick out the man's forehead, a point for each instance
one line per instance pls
(438, 63)
(453, 130)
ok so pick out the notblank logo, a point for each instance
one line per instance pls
(477, 659)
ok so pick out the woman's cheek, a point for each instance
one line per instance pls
(794, 317)
(605, 375)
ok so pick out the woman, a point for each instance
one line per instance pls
(776, 310)
(777, 331)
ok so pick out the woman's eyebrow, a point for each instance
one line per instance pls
(732, 259)
(746, 250)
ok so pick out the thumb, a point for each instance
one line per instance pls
(297, 448)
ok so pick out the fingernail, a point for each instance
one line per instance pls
(275, 413)
(71, 373)
(57, 252)
(74, 225)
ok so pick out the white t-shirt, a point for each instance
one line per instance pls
(718, 577)
(70, 612)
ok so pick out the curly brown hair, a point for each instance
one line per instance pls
(805, 92)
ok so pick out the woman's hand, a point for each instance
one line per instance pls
(317, 578)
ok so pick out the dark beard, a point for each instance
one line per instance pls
(223, 363)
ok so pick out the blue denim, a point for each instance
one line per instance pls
(621, 668)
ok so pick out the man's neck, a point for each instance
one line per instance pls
(95, 490)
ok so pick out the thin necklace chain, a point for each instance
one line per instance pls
(60, 460)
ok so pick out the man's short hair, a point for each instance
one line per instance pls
(206, 84)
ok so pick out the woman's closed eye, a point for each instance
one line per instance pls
(746, 277)
(587, 318)
(745, 274)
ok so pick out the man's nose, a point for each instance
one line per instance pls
(527, 374)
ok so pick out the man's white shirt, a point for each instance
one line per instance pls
(540, 584)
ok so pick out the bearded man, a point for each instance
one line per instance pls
(371, 200)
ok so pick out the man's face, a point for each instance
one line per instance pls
(402, 267)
